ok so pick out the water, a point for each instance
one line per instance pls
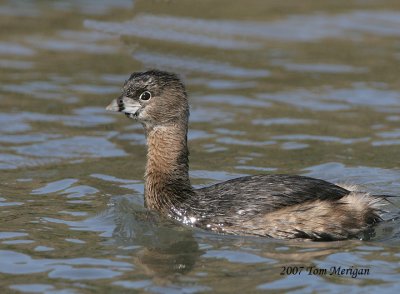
(275, 87)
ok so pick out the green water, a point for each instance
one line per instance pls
(300, 87)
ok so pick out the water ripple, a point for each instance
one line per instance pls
(96, 7)
(235, 100)
(17, 263)
(55, 186)
(72, 46)
(293, 28)
(140, 27)
(281, 121)
(237, 256)
(33, 288)
(16, 64)
(387, 182)
(327, 99)
(15, 49)
(320, 138)
(75, 147)
(320, 67)
(197, 65)
(8, 235)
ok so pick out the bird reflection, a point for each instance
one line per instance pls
(166, 247)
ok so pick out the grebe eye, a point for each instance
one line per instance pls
(145, 95)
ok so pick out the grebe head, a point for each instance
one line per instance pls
(154, 98)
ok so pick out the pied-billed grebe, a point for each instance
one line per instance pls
(279, 206)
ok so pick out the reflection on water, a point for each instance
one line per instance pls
(274, 87)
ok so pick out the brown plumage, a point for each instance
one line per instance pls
(279, 206)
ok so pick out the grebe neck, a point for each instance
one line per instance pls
(167, 183)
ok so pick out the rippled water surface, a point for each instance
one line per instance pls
(303, 87)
